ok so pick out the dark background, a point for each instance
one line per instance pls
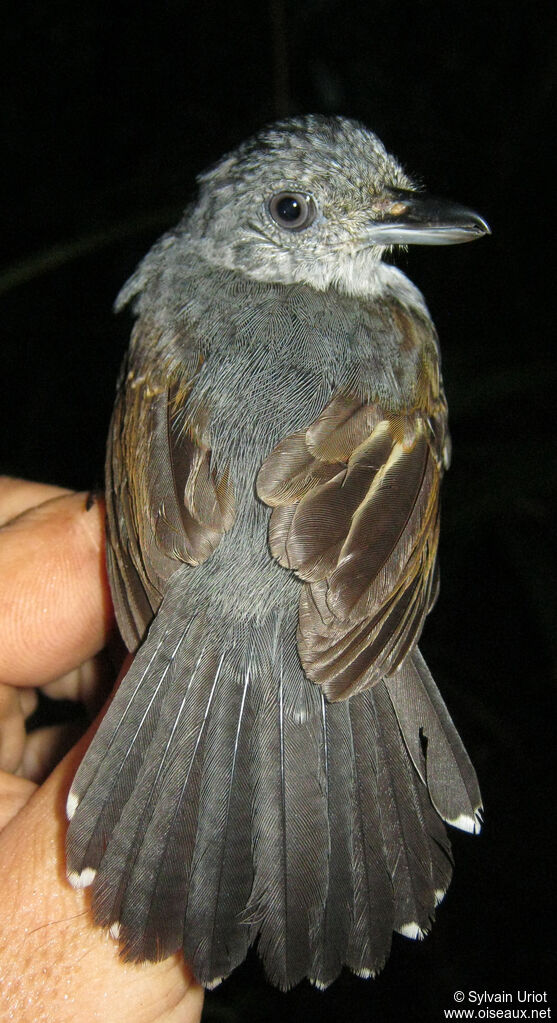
(108, 112)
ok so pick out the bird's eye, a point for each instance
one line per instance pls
(292, 210)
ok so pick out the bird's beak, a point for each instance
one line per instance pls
(413, 218)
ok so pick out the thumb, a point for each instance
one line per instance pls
(55, 963)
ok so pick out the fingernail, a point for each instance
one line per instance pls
(92, 498)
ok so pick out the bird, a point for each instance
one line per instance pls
(277, 766)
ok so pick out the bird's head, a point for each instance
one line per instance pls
(317, 200)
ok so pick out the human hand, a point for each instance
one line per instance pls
(55, 620)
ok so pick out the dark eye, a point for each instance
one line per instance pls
(292, 210)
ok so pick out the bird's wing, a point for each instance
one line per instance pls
(355, 501)
(165, 504)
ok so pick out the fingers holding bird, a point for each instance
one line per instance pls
(55, 619)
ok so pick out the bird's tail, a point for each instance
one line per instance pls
(224, 801)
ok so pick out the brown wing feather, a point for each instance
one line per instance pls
(356, 516)
(165, 505)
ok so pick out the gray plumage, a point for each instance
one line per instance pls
(276, 765)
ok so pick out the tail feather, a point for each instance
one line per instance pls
(290, 824)
(215, 938)
(439, 846)
(403, 826)
(330, 935)
(444, 766)
(143, 878)
(373, 921)
(107, 776)
(224, 801)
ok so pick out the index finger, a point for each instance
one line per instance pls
(55, 606)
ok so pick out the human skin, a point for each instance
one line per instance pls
(55, 622)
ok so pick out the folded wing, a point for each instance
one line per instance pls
(355, 501)
(165, 504)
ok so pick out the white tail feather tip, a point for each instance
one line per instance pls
(473, 825)
(210, 984)
(114, 930)
(71, 805)
(318, 984)
(440, 895)
(412, 930)
(82, 880)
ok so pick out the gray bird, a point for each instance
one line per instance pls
(277, 764)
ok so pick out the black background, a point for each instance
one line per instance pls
(108, 112)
